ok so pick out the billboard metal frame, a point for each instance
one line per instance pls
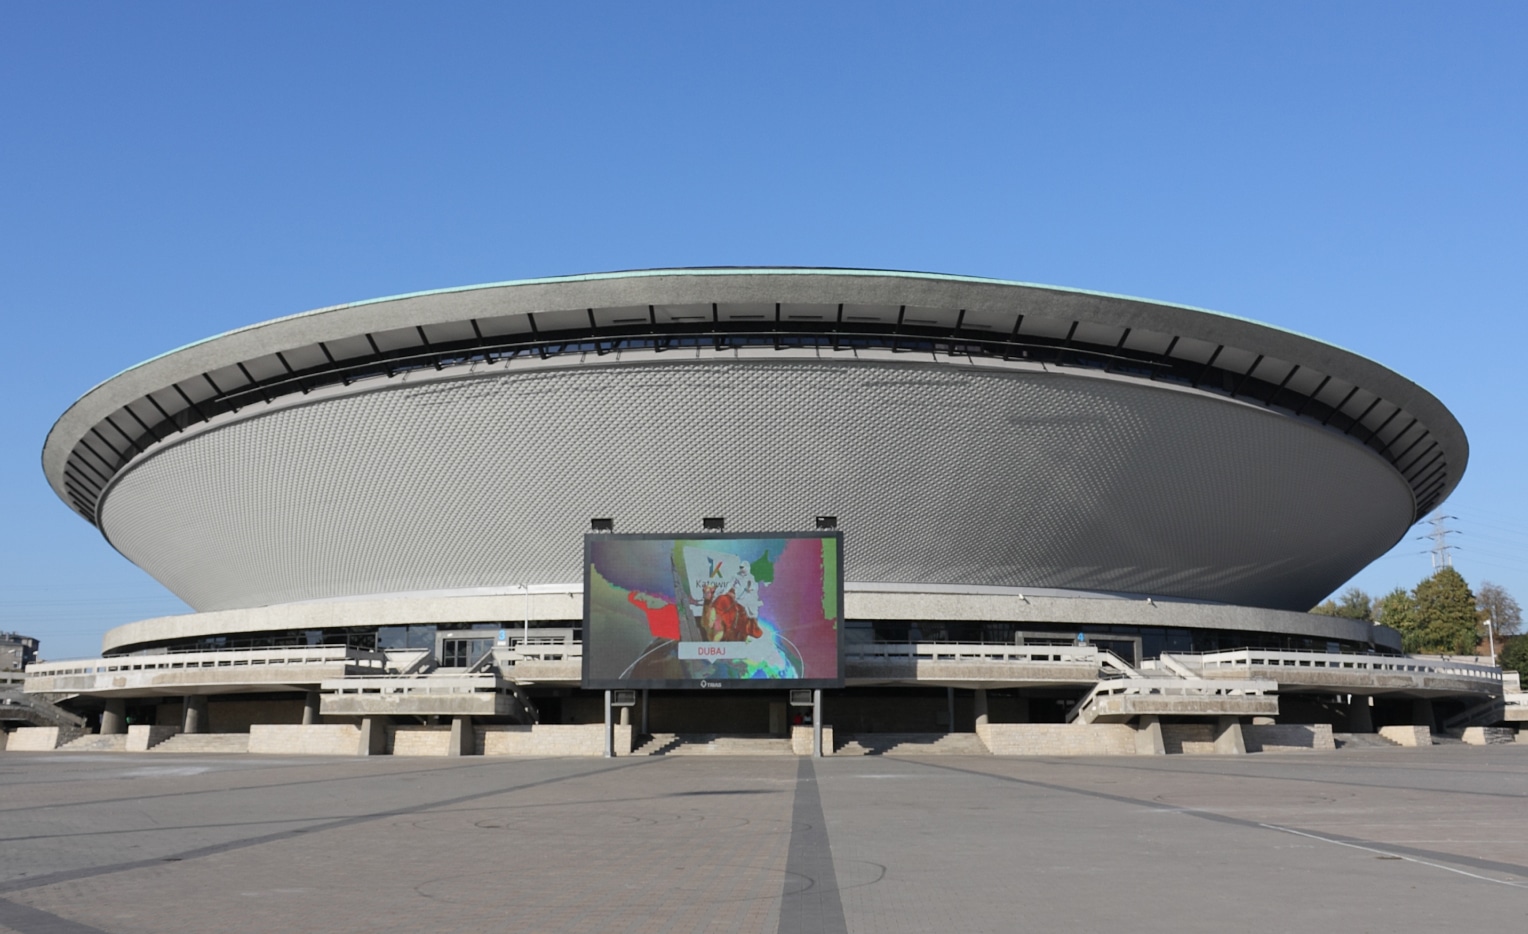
(725, 684)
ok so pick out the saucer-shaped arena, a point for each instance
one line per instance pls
(975, 440)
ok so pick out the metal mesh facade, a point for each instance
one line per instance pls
(938, 473)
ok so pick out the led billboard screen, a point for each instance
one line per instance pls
(713, 611)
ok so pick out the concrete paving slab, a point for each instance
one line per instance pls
(1363, 840)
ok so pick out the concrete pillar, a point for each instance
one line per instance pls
(644, 712)
(114, 717)
(949, 701)
(373, 736)
(625, 716)
(981, 709)
(1360, 716)
(310, 709)
(194, 714)
(609, 729)
(1148, 737)
(817, 723)
(1228, 737)
(463, 739)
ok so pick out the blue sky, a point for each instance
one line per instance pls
(1353, 171)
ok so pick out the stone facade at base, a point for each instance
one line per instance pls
(41, 738)
(1407, 735)
(1059, 739)
(316, 739)
(1288, 737)
(574, 739)
(142, 737)
(1488, 735)
(801, 740)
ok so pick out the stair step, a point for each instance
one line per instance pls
(711, 744)
(205, 743)
(1363, 741)
(97, 743)
(911, 744)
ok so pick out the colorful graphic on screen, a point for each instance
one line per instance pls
(712, 611)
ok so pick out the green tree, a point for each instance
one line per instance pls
(1353, 604)
(1496, 605)
(1398, 610)
(1514, 656)
(1446, 619)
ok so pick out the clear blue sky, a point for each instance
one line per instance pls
(1353, 171)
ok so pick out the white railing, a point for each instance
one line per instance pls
(419, 684)
(973, 651)
(1332, 661)
(222, 658)
(1169, 687)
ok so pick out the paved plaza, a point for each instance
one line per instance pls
(1364, 840)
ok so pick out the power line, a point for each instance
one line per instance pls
(1442, 551)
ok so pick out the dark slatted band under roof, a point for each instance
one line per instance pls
(942, 316)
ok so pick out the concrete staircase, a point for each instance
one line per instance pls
(713, 744)
(95, 742)
(911, 744)
(197, 743)
(1363, 741)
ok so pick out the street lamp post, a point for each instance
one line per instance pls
(1491, 635)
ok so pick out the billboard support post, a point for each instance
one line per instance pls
(817, 723)
(609, 729)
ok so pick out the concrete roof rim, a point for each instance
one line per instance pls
(772, 284)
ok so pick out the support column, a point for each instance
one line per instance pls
(625, 716)
(609, 729)
(114, 717)
(644, 711)
(1360, 715)
(462, 737)
(1228, 737)
(949, 703)
(817, 723)
(373, 736)
(310, 709)
(194, 715)
(981, 710)
(1148, 737)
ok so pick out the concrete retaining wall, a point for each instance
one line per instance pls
(421, 741)
(41, 738)
(541, 739)
(142, 737)
(1059, 739)
(801, 740)
(1407, 735)
(1190, 738)
(317, 739)
(1288, 737)
(1488, 735)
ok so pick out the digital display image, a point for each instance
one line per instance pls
(713, 611)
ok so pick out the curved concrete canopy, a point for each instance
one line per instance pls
(122, 418)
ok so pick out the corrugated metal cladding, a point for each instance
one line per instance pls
(938, 474)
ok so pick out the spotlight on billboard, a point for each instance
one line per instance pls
(713, 611)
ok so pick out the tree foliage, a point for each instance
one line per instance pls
(1514, 656)
(1446, 621)
(1496, 605)
(1397, 610)
(1353, 604)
